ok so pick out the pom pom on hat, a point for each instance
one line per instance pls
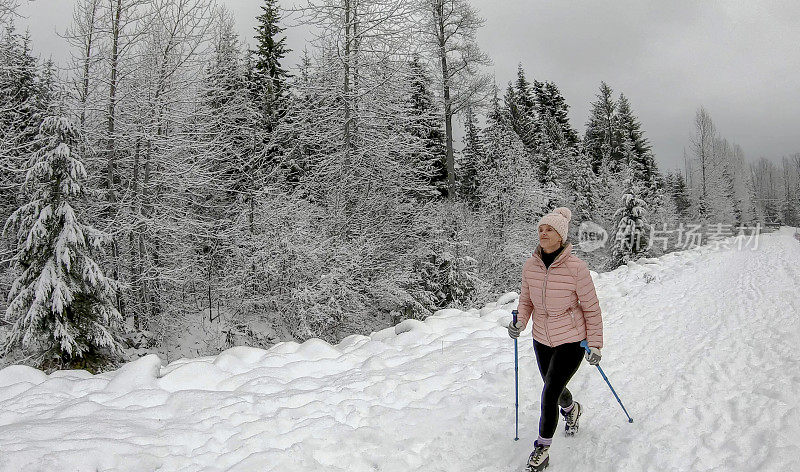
(563, 211)
(559, 220)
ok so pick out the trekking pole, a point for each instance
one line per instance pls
(585, 345)
(516, 381)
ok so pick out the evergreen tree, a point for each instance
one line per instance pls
(680, 195)
(426, 124)
(582, 188)
(25, 98)
(471, 158)
(632, 229)
(521, 106)
(639, 157)
(552, 111)
(230, 116)
(270, 51)
(520, 117)
(26, 95)
(61, 303)
(510, 199)
(269, 80)
(602, 139)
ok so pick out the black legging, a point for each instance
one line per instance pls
(557, 365)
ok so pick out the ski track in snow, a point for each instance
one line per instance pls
(702, 355)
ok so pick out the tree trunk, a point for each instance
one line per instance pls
(112, 99)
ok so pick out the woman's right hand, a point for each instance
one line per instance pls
(514, 329)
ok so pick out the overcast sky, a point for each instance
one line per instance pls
(738, 59)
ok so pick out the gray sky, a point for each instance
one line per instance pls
(738, 59)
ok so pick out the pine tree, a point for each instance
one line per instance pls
(632, 229)
(26, 97)
(269, 80)
(61, 303)
(680, 195)
(471, 158)
(425, 123)
(602, 139)
(553, 113)
(521, 106)
(521, 115)
(582, 188)
(270, 51)
(640, 157)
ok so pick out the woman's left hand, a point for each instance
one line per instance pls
(593, 355)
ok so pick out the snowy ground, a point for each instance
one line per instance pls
(701, 345)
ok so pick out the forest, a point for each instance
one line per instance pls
(174, 191)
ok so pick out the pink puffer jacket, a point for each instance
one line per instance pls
(562, 300)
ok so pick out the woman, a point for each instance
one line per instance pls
(559, 296)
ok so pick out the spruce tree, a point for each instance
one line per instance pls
(601, 140)
(582, 188)
(270, 51)
(552, 106)
(61, 305)
(640, 157)
(680, 195)
(521, 116)
(471, 158)
(632, 228)
(269, 80)
(425, 123)
(25, 96)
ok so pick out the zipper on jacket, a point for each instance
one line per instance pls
(544, 300)
(544, 303)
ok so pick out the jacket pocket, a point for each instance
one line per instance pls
(575, 321)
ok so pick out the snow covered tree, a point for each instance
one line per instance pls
(425, 124)
(25, 98)
(229, 117)
(270, 80)
(632, 228)
(680, 194)
(602, 138)
(714, 173)
(639, 157)
(702, 146)
(521, 109)
(451, 29)
(83, 36)
(510, 200)
(61, 305)
(582, 188)
(472, 156)
(789, 203)
(552, 111)
(270, 50)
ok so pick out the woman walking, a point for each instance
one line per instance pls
(559, 296)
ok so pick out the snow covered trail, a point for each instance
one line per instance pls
(700, 345)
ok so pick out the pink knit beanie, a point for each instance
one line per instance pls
(559, 220)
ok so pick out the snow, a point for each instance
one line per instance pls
(700, 345)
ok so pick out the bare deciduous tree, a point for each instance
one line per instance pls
(450, 34)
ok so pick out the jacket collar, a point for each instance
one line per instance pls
(561, 257)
